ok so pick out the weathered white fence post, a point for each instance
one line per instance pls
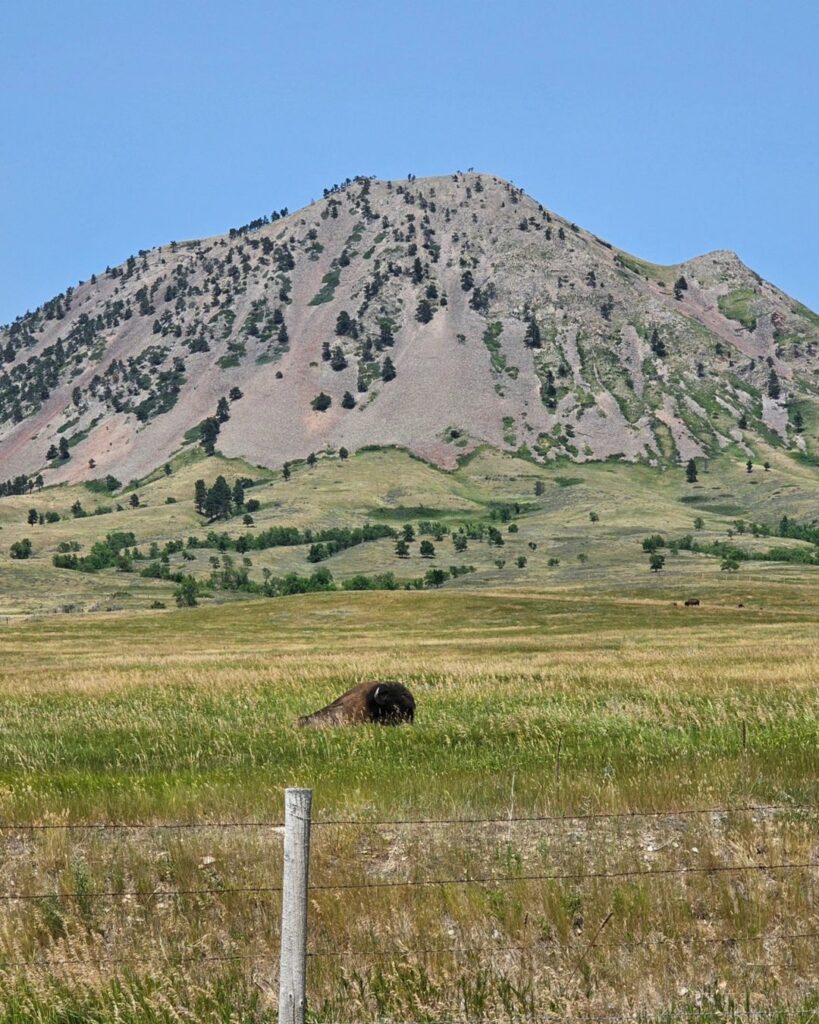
(293, 959)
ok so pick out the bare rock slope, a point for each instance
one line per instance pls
(434, 314)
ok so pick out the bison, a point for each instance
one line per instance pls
(692, 602)
(379, 703)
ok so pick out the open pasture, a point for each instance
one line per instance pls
(532, 703)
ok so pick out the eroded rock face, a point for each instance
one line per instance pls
(498, 317)
(370, 703)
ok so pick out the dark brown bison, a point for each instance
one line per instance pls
(379, 703)
(692, 602)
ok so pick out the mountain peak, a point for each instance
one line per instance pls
(435, 314)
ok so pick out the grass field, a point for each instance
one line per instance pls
(576, 684)
(388, 486)
(187, 716)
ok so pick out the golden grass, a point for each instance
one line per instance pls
(188, 716)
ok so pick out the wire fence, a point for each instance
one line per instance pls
(684, 812)
(540, 947)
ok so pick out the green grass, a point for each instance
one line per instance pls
(491, 338)
(329, 283)
(132, 733)
(389, 485)
(738, 305)
(808, 314)
(652, 271)
(188, 715)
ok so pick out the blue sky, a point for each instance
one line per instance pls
(668, 128)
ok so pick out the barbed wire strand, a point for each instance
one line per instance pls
(397, 953)
(389, 822)
(153, 960)
(583, 816)
(734, 1016)
(478, 880)
(566, 876)
(13, 897)
(100, 826)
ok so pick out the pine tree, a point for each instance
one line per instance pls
(217, 502)
(532, 338)
(338, 360)
(774, 389)
(347, 402)
(343, 453)
(657, 344)
(238, 494)
(63, 449)
(208, 433)
(33, 517)
(286, 471)
(200, 494)
(548, 391)
(388, 370)
(222, 410)
(424, 311)
(691, 471)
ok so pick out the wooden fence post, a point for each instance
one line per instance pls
(293, 957)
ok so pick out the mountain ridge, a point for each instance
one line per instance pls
(504, 324)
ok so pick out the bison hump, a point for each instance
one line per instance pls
(379, 703)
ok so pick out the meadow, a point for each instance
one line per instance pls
(186, 717)
(578, 527)
(665, 759)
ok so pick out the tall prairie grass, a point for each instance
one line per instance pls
(188, 718)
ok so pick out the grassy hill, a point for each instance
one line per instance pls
(577, 527)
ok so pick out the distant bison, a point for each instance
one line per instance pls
(379, 703)
(692, 602)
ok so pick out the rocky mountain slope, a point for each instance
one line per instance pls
(435, 314)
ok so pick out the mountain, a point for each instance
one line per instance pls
(451, 312)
